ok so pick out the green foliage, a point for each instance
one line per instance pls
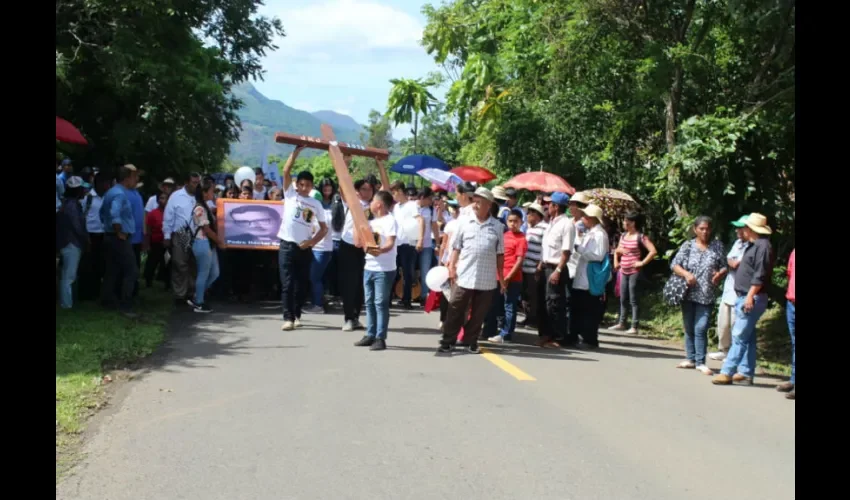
(150, 82)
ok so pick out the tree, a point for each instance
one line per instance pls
(149, 82)
(408, 98)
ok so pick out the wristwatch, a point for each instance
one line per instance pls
(559, 269)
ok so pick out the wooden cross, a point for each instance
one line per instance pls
(336, 150)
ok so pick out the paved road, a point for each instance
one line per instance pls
(237, 409)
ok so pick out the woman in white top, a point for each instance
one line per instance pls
(586, 310)
(379, 273)
(322, 252)
(427, 230)
(352, 259)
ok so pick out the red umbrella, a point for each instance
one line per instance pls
(473, 173)
(66, 132)
(541, 181)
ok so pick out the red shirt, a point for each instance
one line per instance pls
(516, 247)
(154, 222)
(792, 268)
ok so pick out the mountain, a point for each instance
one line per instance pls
(262, 117)
(337, 120)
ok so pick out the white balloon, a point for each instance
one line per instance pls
(436, 277)
(243, 173)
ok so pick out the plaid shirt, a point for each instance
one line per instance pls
(479, 244)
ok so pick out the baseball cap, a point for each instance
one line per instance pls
(558, 198)
(741, 222)
(74, 182)
(66, 161)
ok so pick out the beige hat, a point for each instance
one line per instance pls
(536, 207)
(593, 211)
(580, 197)
(758, 223)
(485, 193)
(168, 180)
(499, 193)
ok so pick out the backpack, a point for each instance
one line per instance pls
(598, 275)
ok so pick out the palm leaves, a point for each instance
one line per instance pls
(408, 98)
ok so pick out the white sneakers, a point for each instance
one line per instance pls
(717, 356)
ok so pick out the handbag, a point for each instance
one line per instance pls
(676, 287)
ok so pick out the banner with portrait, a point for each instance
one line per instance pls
(249, 224)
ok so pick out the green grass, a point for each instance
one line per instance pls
(659, 320)
(89, 342)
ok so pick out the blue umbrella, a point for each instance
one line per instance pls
(414, 163)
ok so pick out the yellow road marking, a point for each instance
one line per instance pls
(505, 366)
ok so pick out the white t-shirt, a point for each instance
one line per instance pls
(449, 230)
(298, 215)
(402, 213)
(327, 243)
(259, 195)
(348, 227)
(425, 214)
(152, 203)
(383, 227)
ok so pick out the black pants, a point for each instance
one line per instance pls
(155, 266)
(495, 318)
(121, 273)
(459, 314)
(585, 322)
(629, 296)
(242, 271)
(92, 268)
(294, 264)
(137, 251)
(553, 312)
(530, 295)
(406, 260)
(352, 260)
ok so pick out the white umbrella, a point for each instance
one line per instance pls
(446, 180)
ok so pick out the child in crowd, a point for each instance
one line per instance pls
(516, 247)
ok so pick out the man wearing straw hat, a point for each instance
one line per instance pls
(752, 279)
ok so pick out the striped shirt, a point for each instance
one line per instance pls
(631, 255)
(534, 236)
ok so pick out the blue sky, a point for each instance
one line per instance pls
(341, 54)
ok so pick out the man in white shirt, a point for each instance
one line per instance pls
(379, 273)
(167, 187)
(177, 234)
(592, 247)
(297, 240)
(553, 325)
(93, 263)
(404, 211)
(259, 192)
(352, 259)
(725, 313)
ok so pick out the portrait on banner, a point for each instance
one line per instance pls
(250, 224)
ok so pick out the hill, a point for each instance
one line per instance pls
(262, 117)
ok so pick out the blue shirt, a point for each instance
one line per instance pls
(138, 206)
(116, 209)
(60, 191)
(737, 251)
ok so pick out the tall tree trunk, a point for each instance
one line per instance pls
(415, 129)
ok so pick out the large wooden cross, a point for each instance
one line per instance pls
(336, 150)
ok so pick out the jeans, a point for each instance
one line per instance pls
(317, 274)
(377, 286)
(294, 265)
(742, 355)
(511, 306)
(206, 258)
(121, 273)
(791, 316)
(426, 259)
(351, 263)
(70, 262)
(407, 263)
(695, 319)
(629, 296)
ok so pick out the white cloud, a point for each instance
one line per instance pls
(342, 111)
(344, 25)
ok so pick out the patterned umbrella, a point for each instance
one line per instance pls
(540, 181)
(614, 204)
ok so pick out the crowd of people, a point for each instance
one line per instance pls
(557, 258)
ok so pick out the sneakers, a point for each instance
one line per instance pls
(201, 308)
(444, 348)
(315, 310)
(619, 327)
(705, 370)
(358, 325)
(366, 341)
(297, 323)
(287, 326)
(378, 345)
(632, 331)
(497, 339)
(473, 349)
(348, 326)
(687, 365)
(717, 356)
(191, 303)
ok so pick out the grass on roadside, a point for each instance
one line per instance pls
(657, 319)
(89, 342)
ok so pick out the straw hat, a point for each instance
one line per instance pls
(758, 223)
(499, 193)
(536, 207)
(593, 211)
(580, 197)
(485, 193)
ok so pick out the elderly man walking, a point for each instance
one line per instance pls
(478, 254)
